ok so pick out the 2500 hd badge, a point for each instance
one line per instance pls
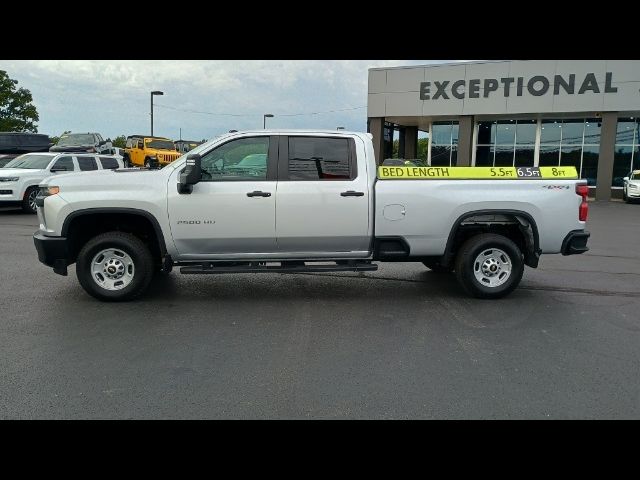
(195, 222)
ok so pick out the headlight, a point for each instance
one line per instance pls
(48, 191)
(631, 185)
(9, 179)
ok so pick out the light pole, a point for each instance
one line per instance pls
(155, 92)
(264, 119)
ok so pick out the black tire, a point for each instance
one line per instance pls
(624, 197)
(466, 258)
(29, 200)
(129, 244)
(437, 268)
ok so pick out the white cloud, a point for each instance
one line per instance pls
(112, 96)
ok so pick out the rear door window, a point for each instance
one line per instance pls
(64, 163)
(87, 163)
(320, 158)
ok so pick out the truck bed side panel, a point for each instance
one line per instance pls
(432, 207)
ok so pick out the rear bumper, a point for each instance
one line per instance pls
(52, 251)
(575, 242)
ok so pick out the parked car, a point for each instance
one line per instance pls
(319, 203)
(83, 142)
(631, 187)
(150, 152)
(13, 144)
(19, 179)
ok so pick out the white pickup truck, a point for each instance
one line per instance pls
(292, 201)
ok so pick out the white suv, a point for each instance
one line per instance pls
(631, 187)
(20, 177)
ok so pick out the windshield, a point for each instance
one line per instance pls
(30, 161)
(635, 175)
(76, 139)
(161, 144)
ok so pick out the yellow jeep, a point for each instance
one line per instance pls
(150, 152)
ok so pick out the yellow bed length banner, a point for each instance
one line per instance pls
(474, 173)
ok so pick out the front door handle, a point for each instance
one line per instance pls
(258, 193)
(352, 193)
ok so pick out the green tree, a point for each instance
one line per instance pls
(423, 149)
(55, 139)
(120, 141)
(17, 113)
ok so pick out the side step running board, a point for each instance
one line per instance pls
(283, 267)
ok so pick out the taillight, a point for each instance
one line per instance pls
(583, 210)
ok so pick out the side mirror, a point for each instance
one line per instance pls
(625, 179)
(191, 174)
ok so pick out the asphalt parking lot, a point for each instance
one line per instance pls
(398, 343)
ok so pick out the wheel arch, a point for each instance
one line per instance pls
(113, 218)
(529, 240)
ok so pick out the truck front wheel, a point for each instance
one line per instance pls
(489, 266)
(115, 266)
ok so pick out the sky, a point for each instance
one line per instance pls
(112, 97)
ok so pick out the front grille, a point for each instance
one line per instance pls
(167, 158)
(6, 192)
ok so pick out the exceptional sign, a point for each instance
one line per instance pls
(476, 173)
(537, 86)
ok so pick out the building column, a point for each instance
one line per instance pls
(401, 145)
(411, 142)
(605, 158)
(376, 129)
(465, 140)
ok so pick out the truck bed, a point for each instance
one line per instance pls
(424, 212)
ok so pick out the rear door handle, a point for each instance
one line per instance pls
(258, 193)
(352, 193)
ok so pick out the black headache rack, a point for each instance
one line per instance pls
(279, 267)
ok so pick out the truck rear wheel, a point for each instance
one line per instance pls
(489, 266)
(115, 266)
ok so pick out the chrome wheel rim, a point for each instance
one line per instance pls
(112, 269)
(492, 267)
(32, 200)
